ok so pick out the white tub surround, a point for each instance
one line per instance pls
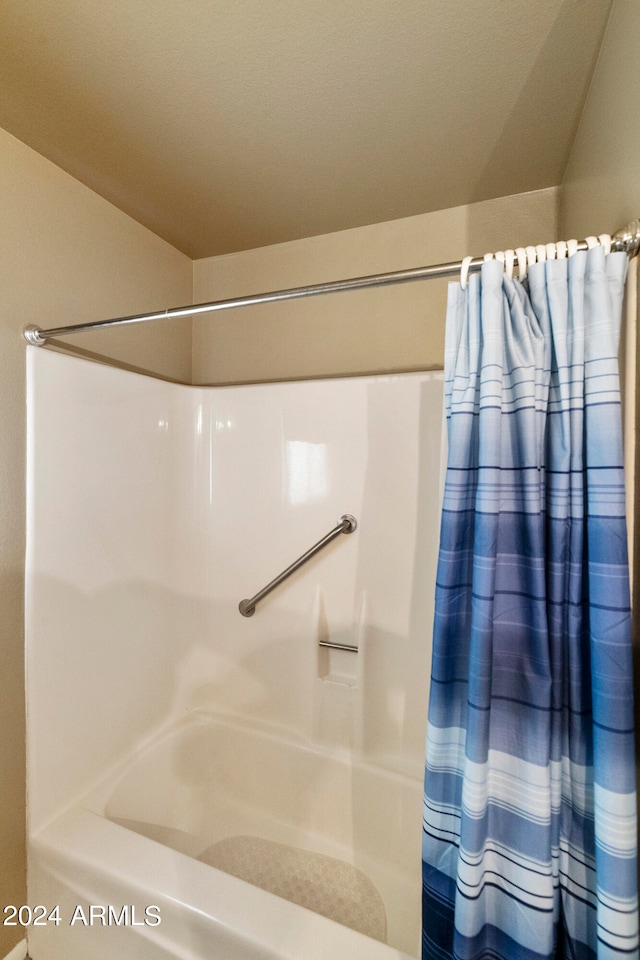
(153, 510)
(19, 952)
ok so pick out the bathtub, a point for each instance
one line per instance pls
(189, 848)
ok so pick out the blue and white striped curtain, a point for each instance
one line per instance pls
(529, 842)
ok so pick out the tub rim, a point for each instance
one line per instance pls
(82, 849)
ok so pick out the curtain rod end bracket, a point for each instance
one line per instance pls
(33, 336)
(627, 239)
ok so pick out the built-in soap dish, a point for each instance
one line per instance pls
(337, 647)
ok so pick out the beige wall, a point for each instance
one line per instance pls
(601, 186)
(392, 328)
(65, 255)
(71, 257)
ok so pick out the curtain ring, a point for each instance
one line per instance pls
(541, 252)
(561, 247)
(591, 242)
(551, 251)
(572, 247)
(531, 256)
(487, 257)
(605, 240)
(464, 272)
(521, 254)
(509, 260)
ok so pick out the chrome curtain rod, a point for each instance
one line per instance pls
(626, 240)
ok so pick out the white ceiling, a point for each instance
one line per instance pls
(229, 124)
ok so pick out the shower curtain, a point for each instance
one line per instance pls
(529, 840)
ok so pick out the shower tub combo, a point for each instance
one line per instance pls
(203, 784)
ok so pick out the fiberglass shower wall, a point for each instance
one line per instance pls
(154, 508)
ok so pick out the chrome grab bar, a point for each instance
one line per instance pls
(346, 524)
